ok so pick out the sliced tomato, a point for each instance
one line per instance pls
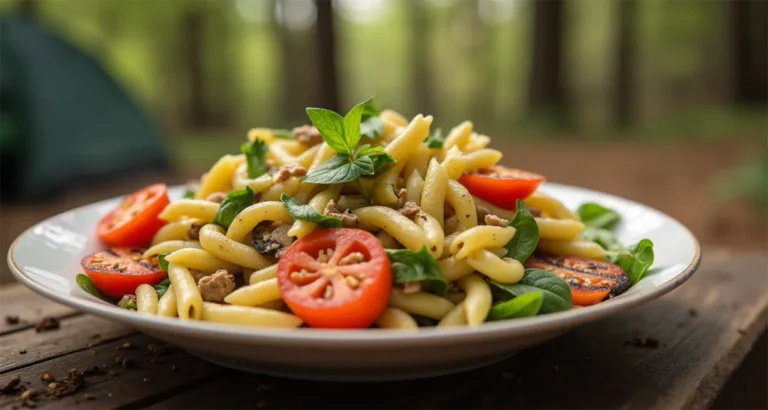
(591, 281)
(501, 186)
(135, 221)
(119, 271)
(349, 289)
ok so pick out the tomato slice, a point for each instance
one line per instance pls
(502, 186)
(135, 221)
(119, 271)
(591, 281)
(336, 278)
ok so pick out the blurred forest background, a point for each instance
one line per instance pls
(662, 101)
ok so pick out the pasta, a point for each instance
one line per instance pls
(342, 225)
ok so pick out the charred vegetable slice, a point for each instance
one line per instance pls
(270, 239)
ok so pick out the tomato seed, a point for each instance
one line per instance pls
(328, 292)
(352, 282)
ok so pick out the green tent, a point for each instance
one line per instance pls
(63, 120)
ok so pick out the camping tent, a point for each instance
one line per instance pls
(63, 119)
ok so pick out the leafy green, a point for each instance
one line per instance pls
(162, 262)
(190, 193)
(307, 213)
(597, 216)
(162, 287)
(603, 237)
(409, 266)
(369, 110)
(84, 282)
(634, 261)
(235, 202)
(425, 321)
(557, 294)
(372, 127)
(128, 302)
(435, 139)
(524, 305)
(282, 134)
(379, 156)
(339, 169)
(341, 133)
(255, 157)
(526, 236)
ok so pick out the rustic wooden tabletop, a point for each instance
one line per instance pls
(675, 352)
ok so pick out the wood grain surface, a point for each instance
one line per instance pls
(675, 352)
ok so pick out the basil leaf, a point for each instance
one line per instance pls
(557, 294)
(84, 283)
(235, 202)
(255, 157)
(307, 213)
(526, 236)
(597, 216)
(331, 127)
(370, 110)
(372, 127)
(162, 262)
(190, 194)
(336, 170)
(635, 261)
(525, 305)
(378, 155)
(435, 139)
(162, 286)
(352, 124)
(282, 134)
(409, 266)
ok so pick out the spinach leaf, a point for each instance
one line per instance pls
(340, 168)
(597, 216)
(435, 139)
(421, 266)
(524, 305)
(603, 237)
(282, 134)
(526, 236)
(307, 213)
(190, 193)
(162, 262)
(557, 294)
(84, 283)
(372, 127)
(635, 261)
(235, 202)
(162, 287)
(255, 157)
(425, 321)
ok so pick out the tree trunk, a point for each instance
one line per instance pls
(749, 42)
(421, 83)
(196, 114)
(623, 86)
(328, 91)
(546, 93)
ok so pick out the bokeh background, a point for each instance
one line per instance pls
(661, 101)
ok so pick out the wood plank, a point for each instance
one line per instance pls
(150, 375)
(74, 334)
(17, 300)
(703, 328)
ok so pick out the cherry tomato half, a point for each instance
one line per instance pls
(119, 271)
(336, 278)
(501, 186)
(135, 221)
(591, 281)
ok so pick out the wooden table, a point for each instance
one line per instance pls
(678, 351)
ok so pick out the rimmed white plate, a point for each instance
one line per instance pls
(46, 258)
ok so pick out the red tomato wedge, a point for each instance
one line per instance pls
(501, 186)
(336, 278)
(135, 221)
(119, 271)
(591, 281)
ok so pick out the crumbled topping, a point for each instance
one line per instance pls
(216, 287)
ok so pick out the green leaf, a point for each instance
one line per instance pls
(379, 156)
(525, 305)
(557, 294)
(597, 216)
(190, 193)
(331, 127)
(282, 134)
(235, 202)
(425, 321)
(129, 304)
(84, 283)
(162, 286)
(255, 157)
(409, 266)
(352, 123)
(307, 213)
(370, 110)
(435, 139)
(634, 261)
(162, 262)
(603, 237)
(526, 236)
(336, 170)
(372, 127)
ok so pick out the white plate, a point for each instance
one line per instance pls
(47, 256)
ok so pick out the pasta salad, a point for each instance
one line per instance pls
(360, 221)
